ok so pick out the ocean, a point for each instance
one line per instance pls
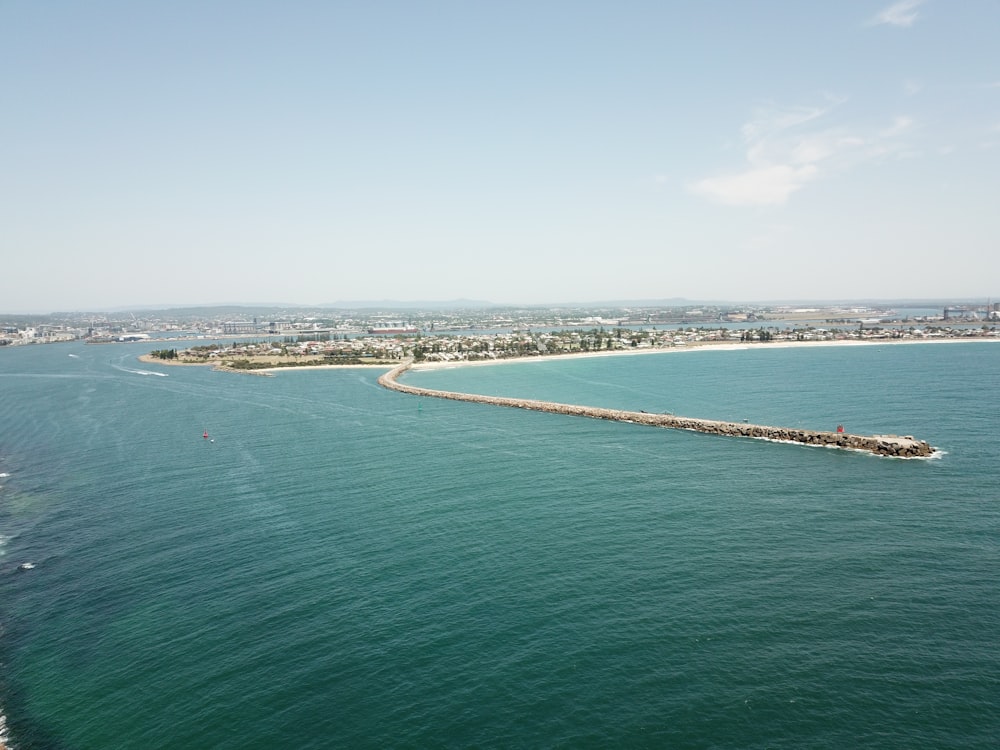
(337, 565)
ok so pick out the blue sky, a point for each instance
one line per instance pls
(519, 152)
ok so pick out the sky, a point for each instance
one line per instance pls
(542, 152)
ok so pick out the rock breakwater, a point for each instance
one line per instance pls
(883, 445)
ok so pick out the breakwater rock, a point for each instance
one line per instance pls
(883, 445)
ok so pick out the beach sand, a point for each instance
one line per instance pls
(715, 346)
(150, 359)
(699, 346)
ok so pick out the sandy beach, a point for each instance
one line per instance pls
(639, 351)
(150, 359)
(700, 346)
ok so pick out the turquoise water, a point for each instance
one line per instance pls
(343, 566)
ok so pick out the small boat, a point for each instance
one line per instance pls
(26, 566)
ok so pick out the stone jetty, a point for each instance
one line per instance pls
(883, 445)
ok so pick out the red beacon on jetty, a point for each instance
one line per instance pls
(840, 428)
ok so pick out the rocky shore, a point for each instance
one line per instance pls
(883, 445)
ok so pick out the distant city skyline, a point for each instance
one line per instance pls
(402, 311)
(169, 155)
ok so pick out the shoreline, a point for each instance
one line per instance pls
(149, 359)
(697, 346)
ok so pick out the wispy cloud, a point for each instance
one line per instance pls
(788, 148)
(903, 13)
(899, 125)
(764, 186)
(772, 119)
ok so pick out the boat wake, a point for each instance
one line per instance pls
(141, 372)
(937, 454)
(4, 736)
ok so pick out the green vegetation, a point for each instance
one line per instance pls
(246, 364)
(761, 334)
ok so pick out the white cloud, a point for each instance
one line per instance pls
(899, 125)
(817, 147)
(764, 186)
(783, 155)
(903, 13)
(770, 120)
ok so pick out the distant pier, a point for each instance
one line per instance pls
(883, 445)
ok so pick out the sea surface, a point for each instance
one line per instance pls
(337, 565)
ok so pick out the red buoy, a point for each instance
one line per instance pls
(205, 435)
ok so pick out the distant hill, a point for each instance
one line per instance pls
(277, 310)
(393, 304)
